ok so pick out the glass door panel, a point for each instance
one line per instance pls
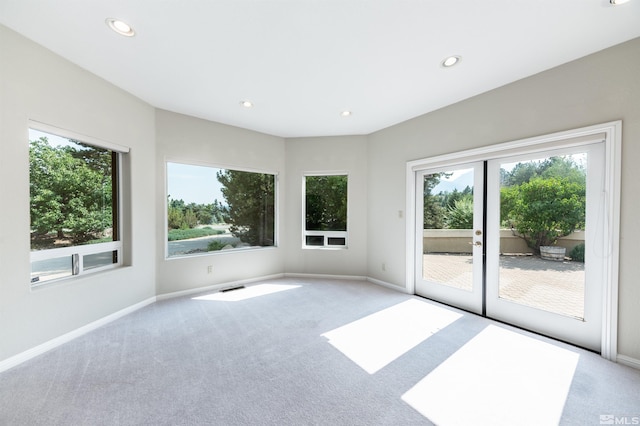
(449, 219)
(544, 212)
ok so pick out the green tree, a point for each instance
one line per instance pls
(544, 209)
(250, 199)
(175, 213)
(542, 201)
(433, 210)
(190, 219)
(448, 199)
(69, 192)
(186, 216)
(521, 173)
(326, 203)
(175, 218)
(564, 168)
(557, 166)
(217, 212)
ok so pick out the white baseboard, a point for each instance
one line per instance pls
(388, 285)
(216, 287)
(348, 277)
(628, 361)
(326, 276)
(65, 338)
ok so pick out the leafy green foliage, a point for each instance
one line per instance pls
(70, 190)
(558, 167)
(543, 201)
(433, 211)
(521, 173)
(187, 216)
(577, 253)
(460, 216)
(326, 203)
(215, 245)
(449, 209)
(250, 210)
(545, 209)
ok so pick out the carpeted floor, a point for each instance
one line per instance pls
(314, 352)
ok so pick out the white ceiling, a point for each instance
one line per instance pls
(302, 62)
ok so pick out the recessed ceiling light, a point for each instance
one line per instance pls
(451, 61)
(120, 27)
(616, 2)
(345, 113)
(246, 104)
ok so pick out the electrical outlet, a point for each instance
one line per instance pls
(210, 269)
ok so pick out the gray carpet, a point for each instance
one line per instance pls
(264, 361)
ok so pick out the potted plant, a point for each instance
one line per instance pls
(543, 210)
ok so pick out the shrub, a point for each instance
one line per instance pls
(544, 209)
(577, 253)
(460, 216)
(216, 245)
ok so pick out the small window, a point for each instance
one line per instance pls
(315, 240)
(74, 207)
(325, 210)
(212, 209)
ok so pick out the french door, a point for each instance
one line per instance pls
(480, 226)
(449, 256)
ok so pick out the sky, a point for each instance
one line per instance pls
(53, 139)
(193, 184)
(459, 180)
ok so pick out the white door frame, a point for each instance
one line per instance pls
(586, 332)
(469, 300)
(611, 134)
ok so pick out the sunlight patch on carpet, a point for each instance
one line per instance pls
(498, 378)
(378, 339)
(247, 292)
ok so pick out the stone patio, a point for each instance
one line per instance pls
(529, 280)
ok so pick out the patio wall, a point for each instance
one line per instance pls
(458, 241)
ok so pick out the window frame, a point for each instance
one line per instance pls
(326, 234)
(218, 166)
(78, 252)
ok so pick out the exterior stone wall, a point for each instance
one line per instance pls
(459, 241)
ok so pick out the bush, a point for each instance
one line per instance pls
(544, 209)
(216, 245)
(577, 253)
(460, 216)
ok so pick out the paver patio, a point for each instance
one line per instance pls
(529, 280)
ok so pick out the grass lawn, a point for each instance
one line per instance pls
(185, 234)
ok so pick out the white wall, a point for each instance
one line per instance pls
(343, 154)
(191, 140)
(36, 84)
(599, 88)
